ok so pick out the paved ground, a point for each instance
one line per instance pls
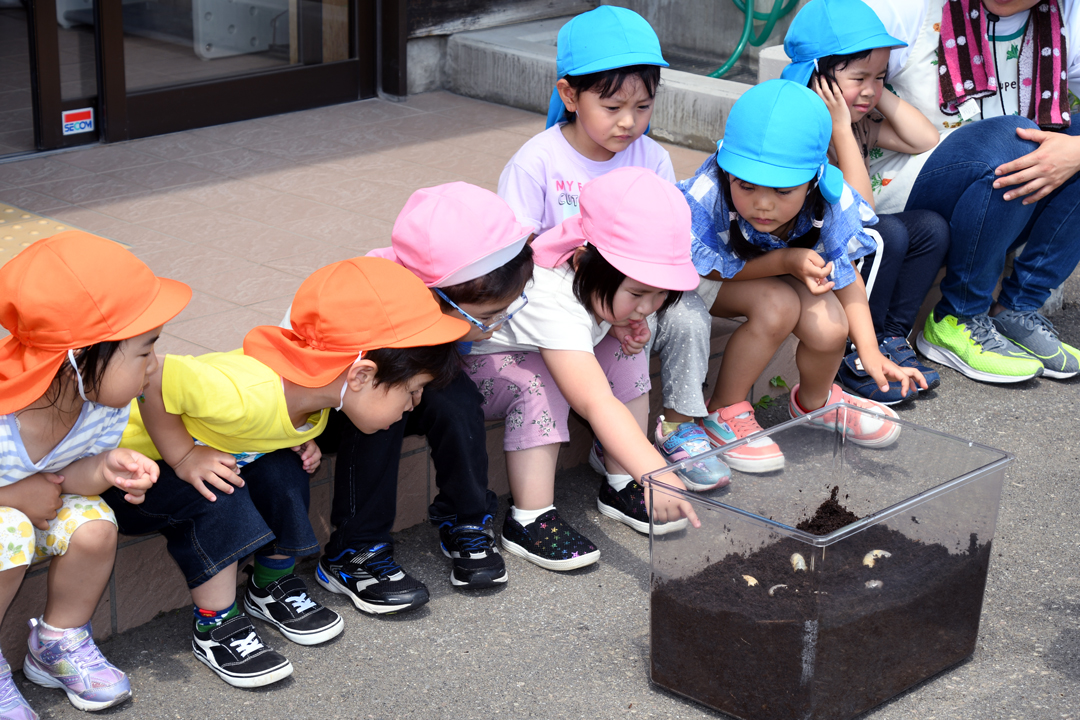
(577, 645)
(547, 645)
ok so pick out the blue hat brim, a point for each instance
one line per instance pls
(761, 173)
(765, 174)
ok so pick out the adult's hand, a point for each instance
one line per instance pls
(1042, 170)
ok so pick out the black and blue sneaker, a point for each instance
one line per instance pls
(477, 562)
(372, 580)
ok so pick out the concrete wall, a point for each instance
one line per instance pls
(709, 28)
(706, 27)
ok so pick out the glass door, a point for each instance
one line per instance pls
(16, 97)
(122, 69)
(191, 63)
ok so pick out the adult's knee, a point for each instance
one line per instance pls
(992, 142)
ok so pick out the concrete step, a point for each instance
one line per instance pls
(515, 65)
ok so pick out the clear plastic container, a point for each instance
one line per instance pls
(736, 626)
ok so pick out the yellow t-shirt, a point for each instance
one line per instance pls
(229, 401)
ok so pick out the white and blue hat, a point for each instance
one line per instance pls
(777, 135)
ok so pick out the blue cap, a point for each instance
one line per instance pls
(832, 27)
(606, 38)
(777, 135)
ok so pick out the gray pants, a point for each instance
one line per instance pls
(682, 341)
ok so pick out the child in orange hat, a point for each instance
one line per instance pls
(83, 314)
(468, 248)
(234, 434)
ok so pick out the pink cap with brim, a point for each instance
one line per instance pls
(639, 222)
(453, 233)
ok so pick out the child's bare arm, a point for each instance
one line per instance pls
(584, 385)
(862, 335)
(848, 155)
(905, 129)
(131, 471)
(194, 464)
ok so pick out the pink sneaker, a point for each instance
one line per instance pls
(734, 422)
(859, 428)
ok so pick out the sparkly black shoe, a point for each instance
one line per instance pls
(549, 542)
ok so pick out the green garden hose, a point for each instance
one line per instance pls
(779, 10)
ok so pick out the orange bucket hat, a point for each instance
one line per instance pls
(345, 309)
(70, 291)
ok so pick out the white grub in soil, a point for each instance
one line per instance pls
(873, 555)
(874, 584)
(774, 588)
(798, 562)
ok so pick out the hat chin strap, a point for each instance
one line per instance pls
(344, 387)
(78, 375)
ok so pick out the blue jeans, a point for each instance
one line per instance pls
(915, 243)
(270, 513)
(366, 471)
(957, 182)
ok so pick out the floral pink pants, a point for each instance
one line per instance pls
(517, 387)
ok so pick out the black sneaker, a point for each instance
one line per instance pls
(549, 542)
(628, 507)
(286, 604)
(372, 580)
(477, 562)
(234, 651)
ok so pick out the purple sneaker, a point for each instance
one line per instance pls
(75, 665)
(12, 704)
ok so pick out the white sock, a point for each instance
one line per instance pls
(618, 482)
(525, 517)
(48, 632)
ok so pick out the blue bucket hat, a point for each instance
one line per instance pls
(832, 27)
(606, 38)
(777, 135)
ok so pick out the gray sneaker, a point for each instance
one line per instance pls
(1034, 333)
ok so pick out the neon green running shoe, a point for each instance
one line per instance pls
(972, 346)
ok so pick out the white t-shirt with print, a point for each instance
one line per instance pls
(913, 75)
(541, 183)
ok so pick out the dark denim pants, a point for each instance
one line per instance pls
(366, 472)
(270, 513)
(915, 243)
(957, 182)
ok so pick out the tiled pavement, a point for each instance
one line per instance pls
(244, 212)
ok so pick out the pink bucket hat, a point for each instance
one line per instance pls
(453, 233)
(639, 222)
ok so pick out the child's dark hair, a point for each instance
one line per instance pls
(747, 250)
(595, 277)
(504, 283)
(396, 366)
(91, 362)
(828, 65)
(608, 82)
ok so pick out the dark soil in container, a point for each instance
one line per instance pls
(824, 645)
